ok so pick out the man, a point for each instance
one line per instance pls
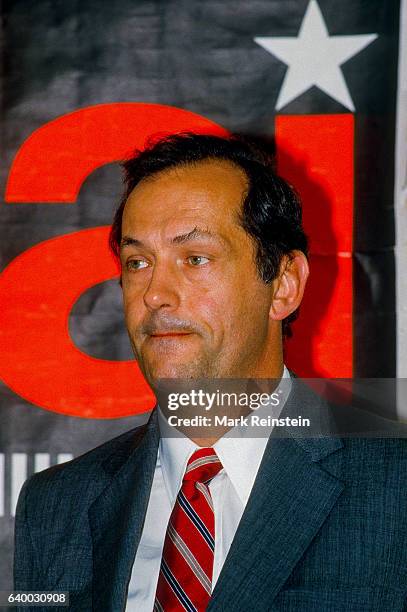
(214, 267)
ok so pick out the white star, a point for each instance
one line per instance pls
(314, 58)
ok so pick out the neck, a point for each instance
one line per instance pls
(262, 385)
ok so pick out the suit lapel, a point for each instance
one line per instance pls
(291, 498)
(117, 516)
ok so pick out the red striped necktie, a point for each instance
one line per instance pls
(185, 579)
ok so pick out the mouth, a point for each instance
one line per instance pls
(175, 334)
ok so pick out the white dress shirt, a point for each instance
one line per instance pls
(240, 453)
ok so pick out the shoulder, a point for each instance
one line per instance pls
(78, 482)
(373, 444)
(357, 444)
(373, 472)
(384, 458)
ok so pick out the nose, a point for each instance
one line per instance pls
(163, 290)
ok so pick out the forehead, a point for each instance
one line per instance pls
(208, 190)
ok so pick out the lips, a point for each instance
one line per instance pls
(174, 334)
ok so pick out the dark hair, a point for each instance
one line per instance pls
(271, 210)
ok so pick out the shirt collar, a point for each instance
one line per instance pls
(174, 450)
(239, 451)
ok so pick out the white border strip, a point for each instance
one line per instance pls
(401, 198)
(401, 208)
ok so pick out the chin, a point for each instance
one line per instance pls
(185, 371)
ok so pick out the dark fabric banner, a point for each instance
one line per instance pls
(83, 84)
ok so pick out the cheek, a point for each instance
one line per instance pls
(208, 307)
(217, 307)
(243, 307)
(133, 307)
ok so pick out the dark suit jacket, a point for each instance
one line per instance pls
(324, 530)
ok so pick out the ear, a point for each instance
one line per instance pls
(289, 286)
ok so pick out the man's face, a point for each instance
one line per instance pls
(194, 304)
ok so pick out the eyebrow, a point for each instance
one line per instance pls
(195, 234)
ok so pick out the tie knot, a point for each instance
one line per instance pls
(202, 466)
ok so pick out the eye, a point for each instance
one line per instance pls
(197, 260)
(136, 264)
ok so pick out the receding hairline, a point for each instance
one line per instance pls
(180, 167)
(186, 164)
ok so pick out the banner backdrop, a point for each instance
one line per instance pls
(83, 84)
